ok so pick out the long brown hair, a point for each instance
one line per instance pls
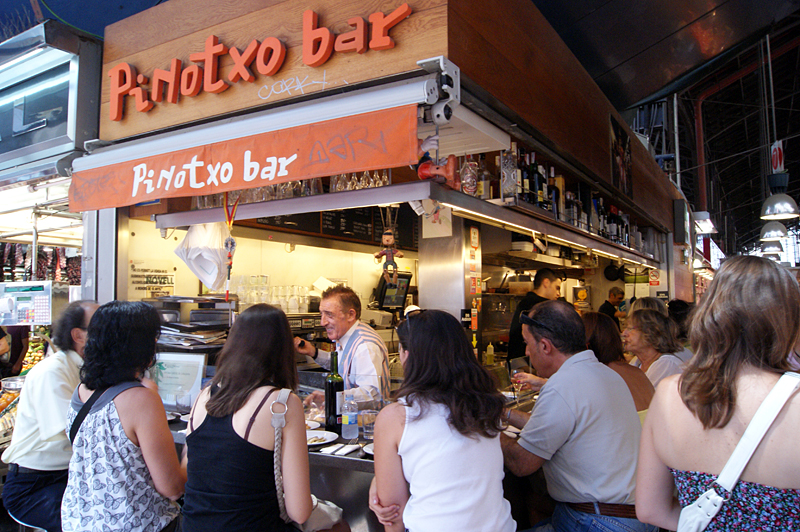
(602, 337)
(441, 368)
(750, 315)
(259, 349)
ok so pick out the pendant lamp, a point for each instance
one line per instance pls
(772, 248)
(779, 206)
(773, 231)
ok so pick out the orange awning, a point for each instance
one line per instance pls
(369, 141)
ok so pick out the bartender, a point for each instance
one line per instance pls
(546, 287)
(363, 357)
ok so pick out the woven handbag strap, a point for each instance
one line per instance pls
(757, 428)
(279, 421)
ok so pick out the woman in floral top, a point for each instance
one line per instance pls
(742, 333)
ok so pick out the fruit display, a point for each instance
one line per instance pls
(36, 352)
(6, 399)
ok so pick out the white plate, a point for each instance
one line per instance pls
(311, 425)
(509, 395)
(328, 436)
(369, 449)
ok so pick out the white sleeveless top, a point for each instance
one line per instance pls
(109, 486)
(456, 482)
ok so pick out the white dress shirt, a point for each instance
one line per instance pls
(39, 440)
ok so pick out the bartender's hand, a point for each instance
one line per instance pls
(315, 397)
(304, 347)
(386, 515)
(530, 382)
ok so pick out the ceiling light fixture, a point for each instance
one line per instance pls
(772, 248)
(779, 207)
(773, 231)
(703, 224)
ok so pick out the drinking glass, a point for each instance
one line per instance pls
(367, 419)
(516, 383)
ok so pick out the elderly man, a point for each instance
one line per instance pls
(363, 358)
(40, 451)
(546, 287)
(583, 430)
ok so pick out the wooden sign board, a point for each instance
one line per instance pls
(197, 55)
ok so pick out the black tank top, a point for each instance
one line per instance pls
(231, 484)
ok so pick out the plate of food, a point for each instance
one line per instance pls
(369, 449)
(320, 437)
(311, 425)
(173, 417)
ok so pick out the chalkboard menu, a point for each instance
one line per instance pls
(360, 225)
(308, 222)
(350, 223)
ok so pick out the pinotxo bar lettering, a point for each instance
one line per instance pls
(265, 57)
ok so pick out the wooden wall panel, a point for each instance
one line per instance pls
(152, 38)
(509, 49)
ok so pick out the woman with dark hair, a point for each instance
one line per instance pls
(124, 472)
(437, 451)
(230, 438)
(741, 332)
(652, 337)
(602, 337)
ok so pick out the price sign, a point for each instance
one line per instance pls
(776, 157)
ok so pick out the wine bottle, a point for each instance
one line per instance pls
(526, 177)
(555, 195)
(334, 389)
(484, 179)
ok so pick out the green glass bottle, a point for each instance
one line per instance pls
(334, 388)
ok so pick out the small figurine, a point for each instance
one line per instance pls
(390, 252)
(426, 169)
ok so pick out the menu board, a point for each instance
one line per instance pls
(350, 223)
(307, 222)
(361, 225)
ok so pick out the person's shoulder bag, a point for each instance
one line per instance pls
(325, 514)
(697, 516)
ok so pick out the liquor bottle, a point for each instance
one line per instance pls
(570, 213)
(594, 218)
(613, 224)
(349, 417)
(334, 387)
(555, 195)
(542, 191)
(469, 176)
(484, 179)
(508, 175)
(526, 178)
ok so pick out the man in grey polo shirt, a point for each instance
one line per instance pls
(583, 430)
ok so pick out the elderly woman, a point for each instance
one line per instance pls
(602, 337)
(742, 333)
(651, 303)
(651, 337)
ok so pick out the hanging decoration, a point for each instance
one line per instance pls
(230, 242)
(389, 250)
